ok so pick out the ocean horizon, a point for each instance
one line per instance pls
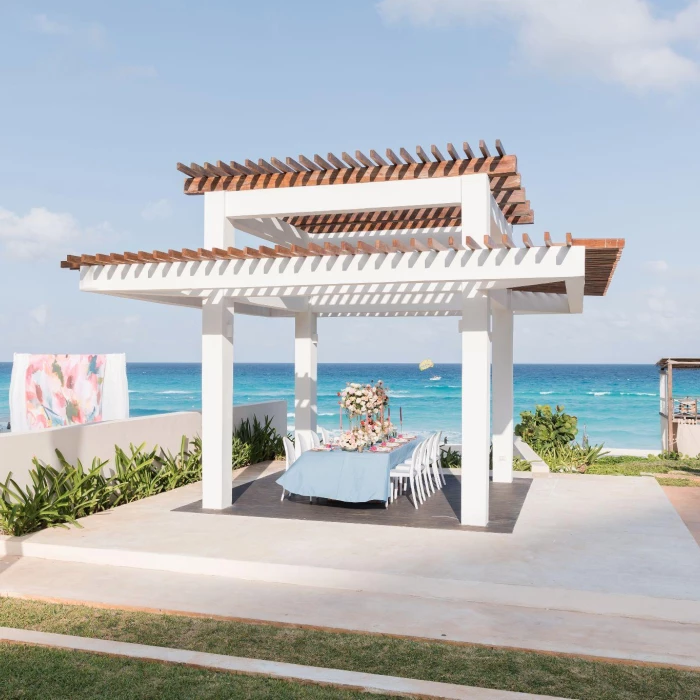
(616, 404)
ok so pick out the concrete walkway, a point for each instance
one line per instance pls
(368, 682)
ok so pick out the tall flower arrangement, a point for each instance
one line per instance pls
(365, 406)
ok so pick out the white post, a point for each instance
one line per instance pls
(217, 405)
(218, 230)
(476, 409)
(305, 371)
(502, 352)
(217, 370)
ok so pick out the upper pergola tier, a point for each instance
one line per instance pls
(502, 170)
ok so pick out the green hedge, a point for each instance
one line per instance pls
(57, 496)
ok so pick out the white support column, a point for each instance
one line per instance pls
(218, 230)
(476, 409)
(305, 371)
(217, 405)
(502, 353)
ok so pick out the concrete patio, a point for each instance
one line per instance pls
(595, 565)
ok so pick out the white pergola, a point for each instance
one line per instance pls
(365, 237)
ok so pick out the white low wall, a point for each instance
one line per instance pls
(84, 442)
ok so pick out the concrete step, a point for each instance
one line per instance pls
(416, 614)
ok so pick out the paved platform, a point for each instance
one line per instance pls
(596, 564)
(261, 499)
(686, 500)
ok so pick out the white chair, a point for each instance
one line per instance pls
(305, 440)
(326, 436)
(290, 456)
(409, 471)
(437, 455)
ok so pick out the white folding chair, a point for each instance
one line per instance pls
(409, 470)
(290, 456)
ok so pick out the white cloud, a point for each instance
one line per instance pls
(659, 266)
(44, 25)
(93, 33)
(40, 314)
(137, 72)
(42, 233)
(159, 209)
(618, 41)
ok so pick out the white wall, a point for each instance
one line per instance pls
(84, 442)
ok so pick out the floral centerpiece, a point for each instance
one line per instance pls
(365, 405)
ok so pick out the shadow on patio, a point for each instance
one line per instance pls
(261, 499)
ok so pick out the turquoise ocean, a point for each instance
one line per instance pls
(618, 404)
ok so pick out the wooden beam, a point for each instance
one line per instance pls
(569, 240)
(252, 253)
(393, 157)
(377, 158)
(309, 164)
(507, 241)
(547, 239)
(381, 247)
(396, 244)
(334, 160)
(330, 249)
(453, 243)
(407, 156)
(283, 252)
(418, 245)
(436, 153)
(526, 241)
(471, 243)
(489, 242)
(300, 251)
(347, 249)
(295, 165)
(351, 161)
(363, 247)
(280, 165)
(468, 151)
(499, 148)
(493, 167)
(510, 196)
(186, 253)
(268, 167)
(160, 256)
(266, 252)
(205, 254)
(322, 163)
(364, 159)
(187, 170)
(436, 245)
(241, 168)
(422, 154)
(484, 149)
(254, 167)
(452, 151)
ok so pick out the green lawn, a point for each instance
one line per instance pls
(56, 674)
(438, 661)
(680, 472)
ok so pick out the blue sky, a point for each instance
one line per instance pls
(599, 100)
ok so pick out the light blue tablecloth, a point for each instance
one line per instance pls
(352, 477)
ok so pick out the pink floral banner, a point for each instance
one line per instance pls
(64, 390)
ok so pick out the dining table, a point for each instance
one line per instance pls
(350, 477)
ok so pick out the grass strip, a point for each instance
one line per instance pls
(425, 660)
(28, 672)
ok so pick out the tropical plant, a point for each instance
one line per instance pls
(255, 442)
(546, 428)
(54, 497)
(521, 465)
(571, 457)
(449, 459)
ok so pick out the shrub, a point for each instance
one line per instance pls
(571, 457)
(521, 465)
(449, 459)
(544, 428)
(256, 442)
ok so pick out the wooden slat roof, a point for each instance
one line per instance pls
(302, 171)
(679, 362)
(602, 255)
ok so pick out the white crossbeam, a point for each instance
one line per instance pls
(308, 276)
